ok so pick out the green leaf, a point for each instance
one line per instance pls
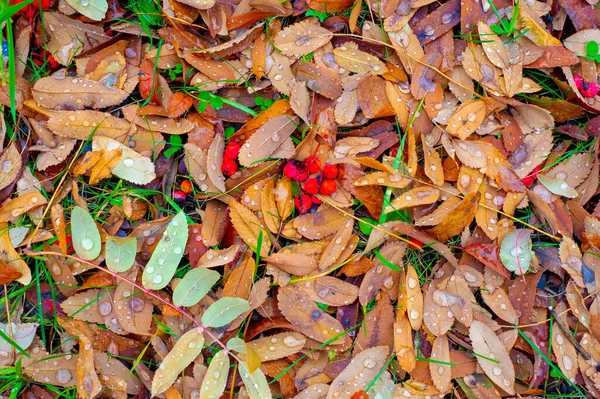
(218, 370)
(256, 383)
(93, 9)
(236, 344)
(515, 251)
(168, 253)
(224, 311)
(558, 186)
(497, 29)
(591, 48)
(120, 253)
(86, 237)
(367, 227)
(194, 286)
(186, 349)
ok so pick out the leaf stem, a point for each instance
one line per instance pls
(141, 288)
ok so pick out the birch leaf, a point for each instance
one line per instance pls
(185, 350)
(166, 256)
(467, 118)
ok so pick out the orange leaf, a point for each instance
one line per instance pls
(7, 273)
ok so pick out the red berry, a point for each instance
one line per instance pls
(291, 170)
(302, 175)
(578, 81)
(229, 167)
(328, 187)
(186, 187)
(415, 244)
(178, 196)
(303, 203)
(52, 63)
(528, 180)
(232, 150)
(590, 89)
(311, 185)
(316, 200)
(330, 171)
(313, 164)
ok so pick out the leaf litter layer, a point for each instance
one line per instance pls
(306, 199)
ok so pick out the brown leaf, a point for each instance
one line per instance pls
(301, 38)
(423, 195)
(348, 56)
(485, 342)
(88, 383)
(295, 305)
(467, 118)
(459, 218)
(179, 104)
(373, 99)
(249, 227)
(7, 273)
(75, 93)
(269, 140)
(319, 79)
(81, 124)
(441, 371)
(133, 311)
(376, 327)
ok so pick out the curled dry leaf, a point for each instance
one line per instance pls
(269, 140)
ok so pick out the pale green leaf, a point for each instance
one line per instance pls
(224, 311)
(214, 383)
(256, 383)
(93, 9)
(515, 251)
(194, 285)
(186, 349)
(237, 344)
(132, 167)
(86, 237)
(120, 253)
(168, 253)
(558, 186)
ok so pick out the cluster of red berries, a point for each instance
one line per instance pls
(230, 166)
(30, 10)
(587, 89)
(180, 195)
(323, 183)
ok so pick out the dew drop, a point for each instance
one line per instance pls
(87, 243)
(63, 376)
